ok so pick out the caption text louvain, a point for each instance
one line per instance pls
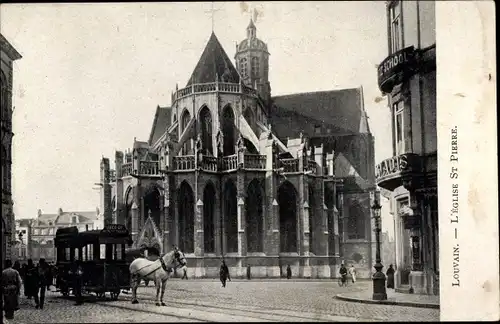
(454, 212)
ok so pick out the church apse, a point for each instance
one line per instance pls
(222, 132)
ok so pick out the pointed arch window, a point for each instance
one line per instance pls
(255, 66)
(186, 117)
(206, 131)
(243, 67)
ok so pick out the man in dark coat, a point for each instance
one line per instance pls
(343, 273)
(390, 277)
(77, 277)
(43, 281)
(224, 273)
(288, 272)
(31, 280)
(11, 286)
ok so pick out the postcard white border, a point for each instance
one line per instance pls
(466, 99)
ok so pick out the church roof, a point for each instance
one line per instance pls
(160, 123)
(214, 61)
(340, 110)
(7, 47)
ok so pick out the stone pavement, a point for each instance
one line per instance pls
(205, 300)
(393, 298)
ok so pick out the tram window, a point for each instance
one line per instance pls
(117, 252)
(88, 252)
(67, 254)
(102, 251)
(77, 254)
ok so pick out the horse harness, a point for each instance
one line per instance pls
(163, 265)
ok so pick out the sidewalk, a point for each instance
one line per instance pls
(393, 298)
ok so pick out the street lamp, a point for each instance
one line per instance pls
(20, 236)
(379, 292)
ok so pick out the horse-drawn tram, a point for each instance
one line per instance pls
(101, 256)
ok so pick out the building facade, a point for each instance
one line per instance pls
(8, 54)
(231, 172)
(408, 77)
(44, 227)
(21, 246)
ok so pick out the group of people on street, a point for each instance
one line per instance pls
(35, 279)
(344, 272)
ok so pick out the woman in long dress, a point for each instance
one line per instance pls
(390, 277)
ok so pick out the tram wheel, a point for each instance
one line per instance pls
(115, 294)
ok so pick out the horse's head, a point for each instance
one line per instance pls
(175, 258)
(180, 258)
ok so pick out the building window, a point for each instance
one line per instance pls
(356, 227)
(399, 127)
(317, 129)
(255, 67)
(396, 29)
(243, 67)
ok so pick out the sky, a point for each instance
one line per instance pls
(92, 76)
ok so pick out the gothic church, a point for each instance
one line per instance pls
(230, 171)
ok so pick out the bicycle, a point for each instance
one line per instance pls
(344, 282)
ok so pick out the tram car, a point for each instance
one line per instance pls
(102, 255)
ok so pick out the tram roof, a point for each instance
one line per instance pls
(113, 234)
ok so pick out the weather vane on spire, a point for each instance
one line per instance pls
(212, 12)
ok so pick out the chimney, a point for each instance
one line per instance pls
(59, 212)
(39, 212)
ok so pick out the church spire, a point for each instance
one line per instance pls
(251, 30)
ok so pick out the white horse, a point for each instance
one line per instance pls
(158, 271)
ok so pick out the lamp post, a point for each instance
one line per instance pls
(20, 236)
(379, 292)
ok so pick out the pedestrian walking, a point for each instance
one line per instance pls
(224, 273)
(43, 281)
(11, 288)
(17, 266)
(352, 273)
(288, 272)
(77, 274)
(31, 280)
(343, 274)
(390, 277)
(23, 272)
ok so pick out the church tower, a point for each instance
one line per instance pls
(252, 62)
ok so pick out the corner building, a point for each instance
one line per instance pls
(408, 77)
(8, 54)
(231, 171)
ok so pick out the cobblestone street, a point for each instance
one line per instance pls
(206, 300)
